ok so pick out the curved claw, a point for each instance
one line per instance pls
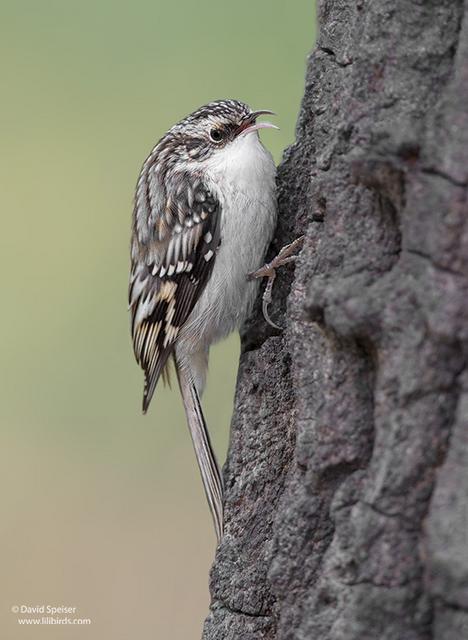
(269, 271)
(266, 315)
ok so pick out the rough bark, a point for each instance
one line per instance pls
(347, 472)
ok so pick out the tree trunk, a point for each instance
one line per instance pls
(347, 472)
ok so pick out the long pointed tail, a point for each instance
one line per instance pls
(209, 469)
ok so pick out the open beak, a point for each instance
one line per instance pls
(250, 123)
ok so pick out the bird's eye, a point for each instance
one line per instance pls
(216, 135)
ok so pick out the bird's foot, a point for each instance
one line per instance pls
(286, 255)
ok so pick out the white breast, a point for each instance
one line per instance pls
(243, 178)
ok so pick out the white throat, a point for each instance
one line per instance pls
(243, 164)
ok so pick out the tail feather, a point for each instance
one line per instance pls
(209, 469)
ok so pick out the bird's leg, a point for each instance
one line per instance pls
(268, 270)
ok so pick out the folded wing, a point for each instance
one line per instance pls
(171, 264)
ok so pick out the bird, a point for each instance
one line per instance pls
(205, 211)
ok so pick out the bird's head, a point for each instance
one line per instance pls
(214, 127)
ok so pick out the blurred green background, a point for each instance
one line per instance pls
(102, 508)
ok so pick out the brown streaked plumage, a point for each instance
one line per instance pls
(205, 210)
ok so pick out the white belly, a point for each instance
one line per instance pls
(245, 185)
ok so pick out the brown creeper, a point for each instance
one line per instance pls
(205, 211)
